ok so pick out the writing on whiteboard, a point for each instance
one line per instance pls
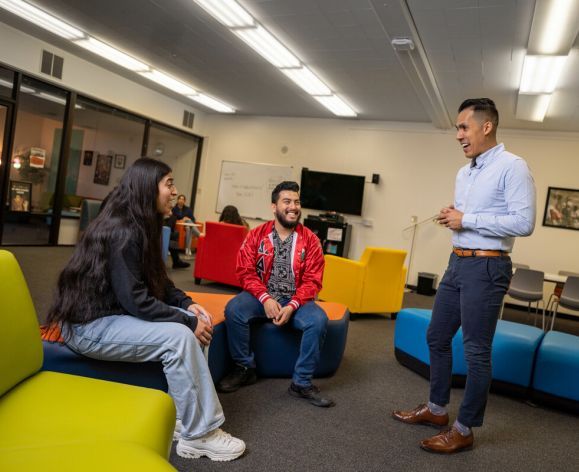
(248, 186)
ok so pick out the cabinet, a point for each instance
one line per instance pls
(334, 235)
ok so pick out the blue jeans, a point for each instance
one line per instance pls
(130, 339)
(470, 295)
(309, 318)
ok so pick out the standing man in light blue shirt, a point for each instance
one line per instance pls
(494, 202)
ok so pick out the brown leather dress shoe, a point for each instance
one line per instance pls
(448, 442)
(421, 415)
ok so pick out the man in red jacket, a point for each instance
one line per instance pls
(280, 266)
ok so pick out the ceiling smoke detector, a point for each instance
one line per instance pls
(402, 44)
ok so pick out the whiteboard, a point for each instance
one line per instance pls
(248, 186)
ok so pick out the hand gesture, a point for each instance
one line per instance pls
(203, 331)
(201, 312)
(451, 218)
(284, 315)
(272, 308)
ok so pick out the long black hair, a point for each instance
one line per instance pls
(129, 213)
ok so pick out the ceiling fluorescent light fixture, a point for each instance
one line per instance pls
(168, 82)
(112, 54)
(532, 107)
(308, 81)
(264, 43)
(541, 74)
(554, 26)
(52, 98)
(212, 103)
(336, 105)
(228, 12)
(42, 19)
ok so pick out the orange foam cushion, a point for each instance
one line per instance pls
(215, 303)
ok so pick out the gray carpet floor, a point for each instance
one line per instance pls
(286, 434)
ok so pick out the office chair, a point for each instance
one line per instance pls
(527, 286)
(569, 298)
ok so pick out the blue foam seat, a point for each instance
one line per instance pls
(513, 350)
(556, 378)
(276, 349)
(59, 358)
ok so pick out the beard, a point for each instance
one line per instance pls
(282, 220)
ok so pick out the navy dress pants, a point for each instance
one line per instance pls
(470, 295)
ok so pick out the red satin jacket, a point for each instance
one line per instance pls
(255, 260)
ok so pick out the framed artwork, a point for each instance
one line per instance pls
(562, 208)
(87, 158)
(20, 193)
(37, 157)
(120, 160)
(102, 171)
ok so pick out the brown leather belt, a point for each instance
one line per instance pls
(478, 253)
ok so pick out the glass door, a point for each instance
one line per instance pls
(33, 165)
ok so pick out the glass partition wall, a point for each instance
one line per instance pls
(57, 148)
(105, 142)
(181, 152)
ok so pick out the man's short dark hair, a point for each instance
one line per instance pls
(483, 106)
(285, 185)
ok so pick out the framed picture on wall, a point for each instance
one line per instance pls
(87, 158)
(20, 193)
(562, 208)
(120, 160)
(102, 171)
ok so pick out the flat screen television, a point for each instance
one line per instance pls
(327, 191)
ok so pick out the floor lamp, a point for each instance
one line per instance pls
(413, 227)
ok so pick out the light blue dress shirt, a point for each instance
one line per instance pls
(497, 197)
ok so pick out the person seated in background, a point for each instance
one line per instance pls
(184, 213)
(231, 215)
(171, 221)
(115, 302)
(280, 266)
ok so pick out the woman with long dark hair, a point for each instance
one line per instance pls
(231, 215)
(114, 301)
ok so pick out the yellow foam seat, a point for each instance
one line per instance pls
(51, 408)
(42, 410)
(374, 284)
(87, 457)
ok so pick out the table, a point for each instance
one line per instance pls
(555, 278)
(188, 225)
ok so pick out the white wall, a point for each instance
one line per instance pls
(417, 164)
(24, 52)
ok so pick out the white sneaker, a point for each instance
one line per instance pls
(217, 445)
(177, 431)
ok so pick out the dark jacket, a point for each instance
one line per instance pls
(129, 294)
(181, 213)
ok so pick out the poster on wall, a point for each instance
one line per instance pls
(102, 171)
(87, 158)
(562, 208)
(37, 157)
(120, 160)
(20, 196)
